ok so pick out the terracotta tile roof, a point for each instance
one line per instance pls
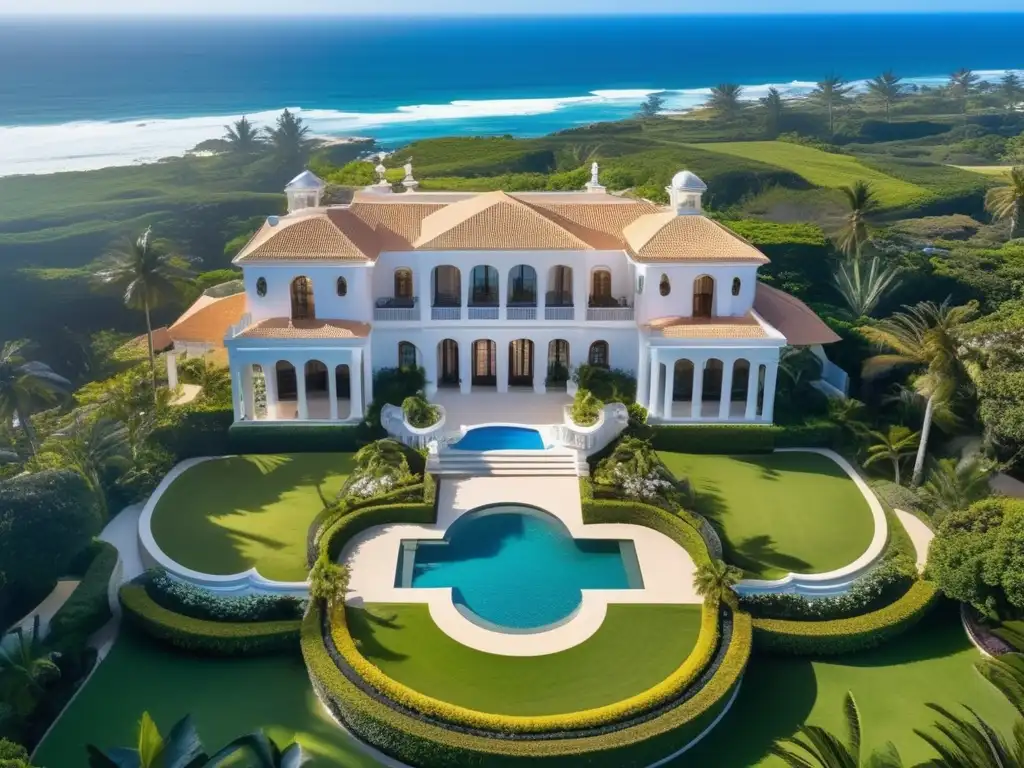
(286, 328)
(791, 317)
(208, 319)
(337, 236)
(745, 327)
(396, 225)
(667, 237)
(138, 347)
(493, 220)
(599, 224)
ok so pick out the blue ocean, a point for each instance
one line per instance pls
(89, 93)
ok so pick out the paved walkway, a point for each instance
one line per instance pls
(47, 608)
(1006, 485)
(920, 534)
(373, 557)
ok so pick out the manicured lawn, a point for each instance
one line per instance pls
(932, 663)
(823, 169)
(637, 647)
(226, 698)
(231, 514)
(779, 512)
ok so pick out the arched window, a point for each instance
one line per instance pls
(735, 286)
(664, 287)
(406, 354)
(483, 286)
(302, 299)
(703, 296)
(261, 286)
(403, 283)
(342, 286)
(601, 285)
(598, 354)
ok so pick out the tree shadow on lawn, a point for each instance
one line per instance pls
(937, 636)
(361, 625)
(757, 554)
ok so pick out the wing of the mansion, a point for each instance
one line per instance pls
(496, 291)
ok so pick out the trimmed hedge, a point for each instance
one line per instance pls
(681, 528)
(195, 431)
(422, 743)
(199, 603)
(198, 635)
(88, 608)
(814, 638)
(294, 439)
(733, 439)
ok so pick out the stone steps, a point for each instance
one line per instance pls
(504, 463)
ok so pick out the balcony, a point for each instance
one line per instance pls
(392, 309)
(609, 309)
(483, 305)
(522, 305)
(446, 306)
(558, 306)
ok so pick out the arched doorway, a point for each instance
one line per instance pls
(558, 363)
(317, 404)
(740, 388)
(343, 390)
(522, 286)
(682, 387)
(448, 363)
(447, 286)
(601, 289)
(703, 296)
(559, 287)
(303, 307)
(483, 287)
(711, 388)
(403, 286)
(520, 363)
(287, 392)
(485, 363)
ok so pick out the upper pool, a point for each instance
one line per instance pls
(500, 438)
(517, 568)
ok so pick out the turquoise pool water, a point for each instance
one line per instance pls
(500, 438)
(518, 568)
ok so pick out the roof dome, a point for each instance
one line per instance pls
(305, 180)
(688, 182)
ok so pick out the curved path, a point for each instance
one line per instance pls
(919, 533)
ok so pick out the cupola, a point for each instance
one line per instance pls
(304, 191)
(685, 193)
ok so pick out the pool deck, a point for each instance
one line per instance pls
(373, 556)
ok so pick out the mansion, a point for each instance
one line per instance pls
(501, 292)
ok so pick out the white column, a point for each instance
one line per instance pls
(503, 284)
(652, 395)
(248, 394)
(368, 373)
(540, 366)
(172, 370)
(465, 367)
(697, 398)
(770, 378)
(670, 385)
(430, 369)
(542, 290)
(501, 367)
(300, 387)
(750, 414)
(270, 377)
(426, 292)
(642, 375)
(356, 385)
(725, 403)
(465, 277)
(332, 388)
(579, 292)
(236, 390)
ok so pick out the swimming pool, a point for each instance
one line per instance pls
(500, 438)
(517, 568)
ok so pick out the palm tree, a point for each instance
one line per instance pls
(1011, 89)
(725, 100)
(863, 204)
(961, 85)
(24, 384)
(954, 485)
(289, 137)
(243, 136)
(148, 276)
(714, 580)
(922, 338)
(816, 747)
(972, 743)
(1006, 673)
(894, 445)
(1008, 202)
(328, 581)
(885, 88)
(27, 667)
(830, 92)
(91, 447)
(863, 290)
(773, 105)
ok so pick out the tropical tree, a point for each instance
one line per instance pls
(725, 100)
(885, 88)
(1006, 672)
(714, 580)
(961, 84)
(862, 289)
(1007, 202)
(328, 581)
(289, 138)
(922, 338)
(863, 204)
(91, 447)
(971, 742)
(894, 445)
(26, 668)
(243, 136)
(1011, 90)
(214, 380)
(773, 105)
(149, 278)
(830, 93)
(816, 747)
(651, 106)
(954, 485)
(23, 385)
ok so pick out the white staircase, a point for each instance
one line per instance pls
(560, 462)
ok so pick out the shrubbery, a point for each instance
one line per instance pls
(419, 413)
(195, 430)
(392, 386)
(198, 603)
(380, 467)
(608, 385)
(634, 470)
(297, 438)
(586, 408)
(88, 608)
(745, 438)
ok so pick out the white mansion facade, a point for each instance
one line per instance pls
(496, 291)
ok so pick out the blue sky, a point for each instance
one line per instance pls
(433, 7)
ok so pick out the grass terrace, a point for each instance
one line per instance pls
(779, 512)
(636, 648)
(231, 514)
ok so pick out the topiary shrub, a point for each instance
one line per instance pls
(380, 467)
(297, 438)
(419, 413)
(198, 603)
(586, 408)
(195, 430)
(714, 438)
(610, 385)
(88, 608)
(633, 470)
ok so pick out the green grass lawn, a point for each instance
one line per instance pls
(932, 663)
(823, 169)
(637, 647)
(229, 515)
(226, 698)
(779, 512)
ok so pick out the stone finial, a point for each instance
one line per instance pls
(409, 182)
(381, 173)
(594, 185)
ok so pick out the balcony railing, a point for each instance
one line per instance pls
(446, 313)
(483, 313)
(609, 314)
(558, 299)
(520, 313)
(559, 313)
(396, 309)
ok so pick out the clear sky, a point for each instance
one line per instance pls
(435, 7)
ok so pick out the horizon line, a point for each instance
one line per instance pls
(49, 15)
